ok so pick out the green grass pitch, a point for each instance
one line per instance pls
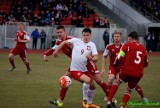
(19, 90)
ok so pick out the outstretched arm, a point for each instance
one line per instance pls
(48, 53)
(55, 53)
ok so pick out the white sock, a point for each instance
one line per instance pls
(85, 91)
(90, 96)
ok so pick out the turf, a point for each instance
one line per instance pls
(19, 90)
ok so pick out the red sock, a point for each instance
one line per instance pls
(139, 90)
(104, 87)
(112, 92)
(63, 92)
(126, 98)
(12, 62)
(109, 87)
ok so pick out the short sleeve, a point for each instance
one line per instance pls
(26, 37)
(94, 49)
(106, 52)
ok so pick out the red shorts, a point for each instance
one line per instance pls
(132, 80)
(114, 70)
(92, 67)
(77, 74)
(21, 52)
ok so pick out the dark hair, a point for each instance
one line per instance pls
(87, 30)
(133, 35)
(60, 27)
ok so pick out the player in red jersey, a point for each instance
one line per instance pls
(91, 66)
(21, 38)
(134, 55)
(112, 50)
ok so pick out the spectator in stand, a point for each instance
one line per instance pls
(102, 22)
(79, 22)
(59, 7)
(35, 36)
(106, 22)
(43, 39)
(97, 22)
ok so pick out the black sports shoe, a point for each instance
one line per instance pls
(109, 105)
(12, 69)
(114, 103)
(29, 70)
(57, 103)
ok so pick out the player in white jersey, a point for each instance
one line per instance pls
(83, 50)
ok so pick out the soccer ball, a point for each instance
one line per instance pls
(64, 81)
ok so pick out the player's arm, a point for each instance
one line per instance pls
(146, 61)
(25, 40)
(55, 53)
(121, 53)
(104, 60)
(94, 54)
(93, 58)
(49, 52)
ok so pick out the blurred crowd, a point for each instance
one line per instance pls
(50, 12)
(151, 6)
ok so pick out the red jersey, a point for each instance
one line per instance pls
(112, 50)
(67, 50)
(135, 59)
(21, 35)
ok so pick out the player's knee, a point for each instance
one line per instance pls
(10, 56)
(92, 86)
(24, 59)
(88, 81)
(110, 80)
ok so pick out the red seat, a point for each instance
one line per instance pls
(63, 23)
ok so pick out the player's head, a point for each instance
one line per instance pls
(20, 26)
(133, 36)
(61, 32)
(117, 37)
(86, 34)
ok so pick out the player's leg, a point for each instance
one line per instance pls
(85, 89)
(11, 59)
(111, 77)
(121, 78)
(132, 82)
(100, 82)
(112, 92)
(59, 102)
(140, 92)
(90, 94)
(93, 69)
(22, 54)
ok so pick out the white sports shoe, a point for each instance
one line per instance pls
(145, 100)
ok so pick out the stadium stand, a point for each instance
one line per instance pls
(48, 12)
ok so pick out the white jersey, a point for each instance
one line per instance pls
(79, 53)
